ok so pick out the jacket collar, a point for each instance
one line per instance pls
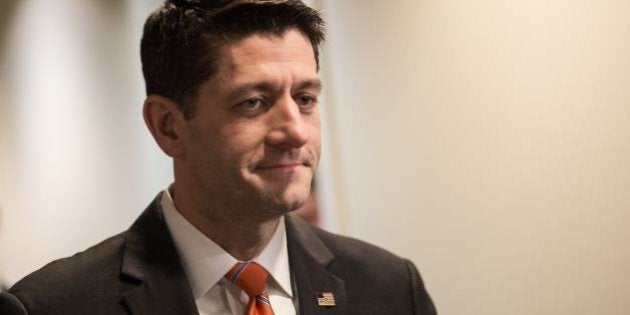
(311, 262)
(152, 263)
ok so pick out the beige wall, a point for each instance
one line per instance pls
(489, 141)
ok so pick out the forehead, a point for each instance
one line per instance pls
(265, 52)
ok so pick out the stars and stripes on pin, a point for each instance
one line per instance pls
(325, 299)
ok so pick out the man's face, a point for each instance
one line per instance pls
(254, 142)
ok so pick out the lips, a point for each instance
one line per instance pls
(281, 166)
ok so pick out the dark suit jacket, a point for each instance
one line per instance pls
(139, 272)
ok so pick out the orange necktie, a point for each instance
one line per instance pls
(251, 277)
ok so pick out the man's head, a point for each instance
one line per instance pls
(233, 91)
(181, 39)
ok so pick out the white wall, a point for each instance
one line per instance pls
(489, 141)
(77, 163)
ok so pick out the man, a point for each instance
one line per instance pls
(232, 97)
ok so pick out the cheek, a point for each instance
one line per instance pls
(243, 140)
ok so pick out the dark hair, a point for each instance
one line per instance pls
(181, 38)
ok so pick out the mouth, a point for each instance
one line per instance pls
(281, 166)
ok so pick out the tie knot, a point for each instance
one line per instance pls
(249, 276)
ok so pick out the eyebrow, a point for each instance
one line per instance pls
(234, 92)
(315, 84)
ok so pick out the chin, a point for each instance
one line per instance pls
(287, 201)
(295, 205)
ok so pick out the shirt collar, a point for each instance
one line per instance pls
(205, 262)
(275, 259)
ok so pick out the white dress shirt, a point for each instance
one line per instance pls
(206, 263)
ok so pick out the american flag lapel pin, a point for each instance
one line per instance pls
(325, 299)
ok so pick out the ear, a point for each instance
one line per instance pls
(166, 123)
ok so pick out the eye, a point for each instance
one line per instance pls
(306, 101)
(251, 104)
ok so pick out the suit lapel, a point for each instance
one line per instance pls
(310, 259)
(151, 264)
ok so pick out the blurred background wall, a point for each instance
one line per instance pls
(77, 162)
(488, 141)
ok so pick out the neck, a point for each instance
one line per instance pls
(243, 242)
(242, 237)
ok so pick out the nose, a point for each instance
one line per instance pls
(288, 127)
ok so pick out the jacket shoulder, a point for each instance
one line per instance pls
(79, 279)
(358, 252)
(369, 270)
